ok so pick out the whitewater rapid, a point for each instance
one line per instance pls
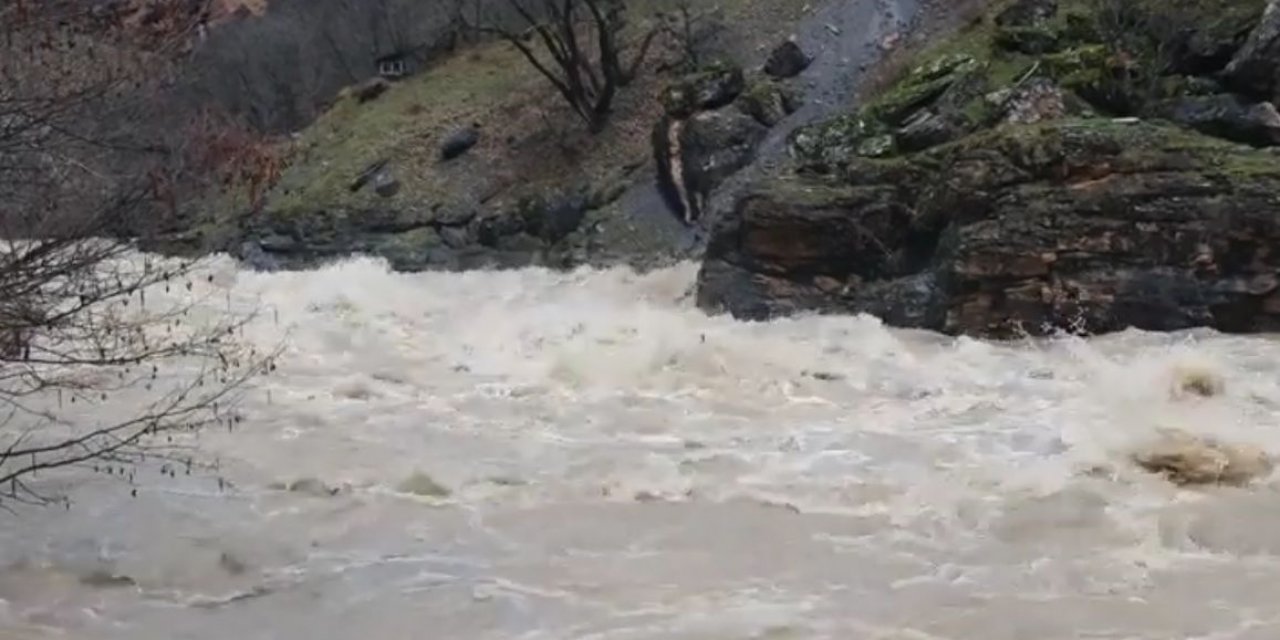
(621, 466)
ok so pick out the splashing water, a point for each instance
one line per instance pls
(540, 455)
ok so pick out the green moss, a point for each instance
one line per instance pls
(899, 102)
(1032, 40)
(837, 141)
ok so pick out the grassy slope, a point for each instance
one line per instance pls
(529, 141)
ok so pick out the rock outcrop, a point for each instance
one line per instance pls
(712, 87)
(1255, 69)
(1228, 116)
(993, 191)
(715, 120)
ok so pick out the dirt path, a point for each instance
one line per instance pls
(846, 39)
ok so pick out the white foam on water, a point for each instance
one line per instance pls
(621, 465)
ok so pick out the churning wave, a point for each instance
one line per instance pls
(607, 461)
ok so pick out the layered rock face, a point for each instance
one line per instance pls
(1023, 180)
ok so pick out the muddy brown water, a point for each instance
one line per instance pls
(620, 465)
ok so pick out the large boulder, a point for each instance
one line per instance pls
(768, 102)
(787, 60)
(1026, 13)
(1093, 225)
(1227, 116)
(552, 218)
(1255, 69)
(1037, 101)
(711, 87)
(696, 155)
(1023, 26)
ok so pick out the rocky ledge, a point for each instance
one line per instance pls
(1056, 166)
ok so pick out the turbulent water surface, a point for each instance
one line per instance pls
(621, 466)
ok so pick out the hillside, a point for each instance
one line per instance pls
(536, 189)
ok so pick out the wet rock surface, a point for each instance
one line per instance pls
(993, 195)
(715, 121)
(1071, 224)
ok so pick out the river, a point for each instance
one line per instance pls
(621, 466)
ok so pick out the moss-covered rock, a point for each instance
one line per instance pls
(1030, 174)
(768, 101)
(711, 87)
(837, 142)
(1073, 223)
(1030, 40)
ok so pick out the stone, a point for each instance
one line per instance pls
(1037, 101)
(1255, 68)
(1186, 459)
(460, 142)
(489, 230)
(710, 88)
(456, 213)
(1025, 13)
(367, 175)
(925, 129)
(695, 156)
(412, 250)
(385, 184)
(455, 237)
(830, 145)
(768, 102)
(552, 219)
(1029, 40)
(1023, 27)
(371, 90)
(787, 60)
(1090, 226)
(1227, 116)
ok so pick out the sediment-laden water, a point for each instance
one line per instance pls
(621, 466)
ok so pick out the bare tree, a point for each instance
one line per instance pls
(87, 153)
(586, 42)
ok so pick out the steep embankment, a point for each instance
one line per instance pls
(369, 176)
(1086, 164)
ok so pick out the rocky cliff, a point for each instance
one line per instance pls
(1089, 165)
